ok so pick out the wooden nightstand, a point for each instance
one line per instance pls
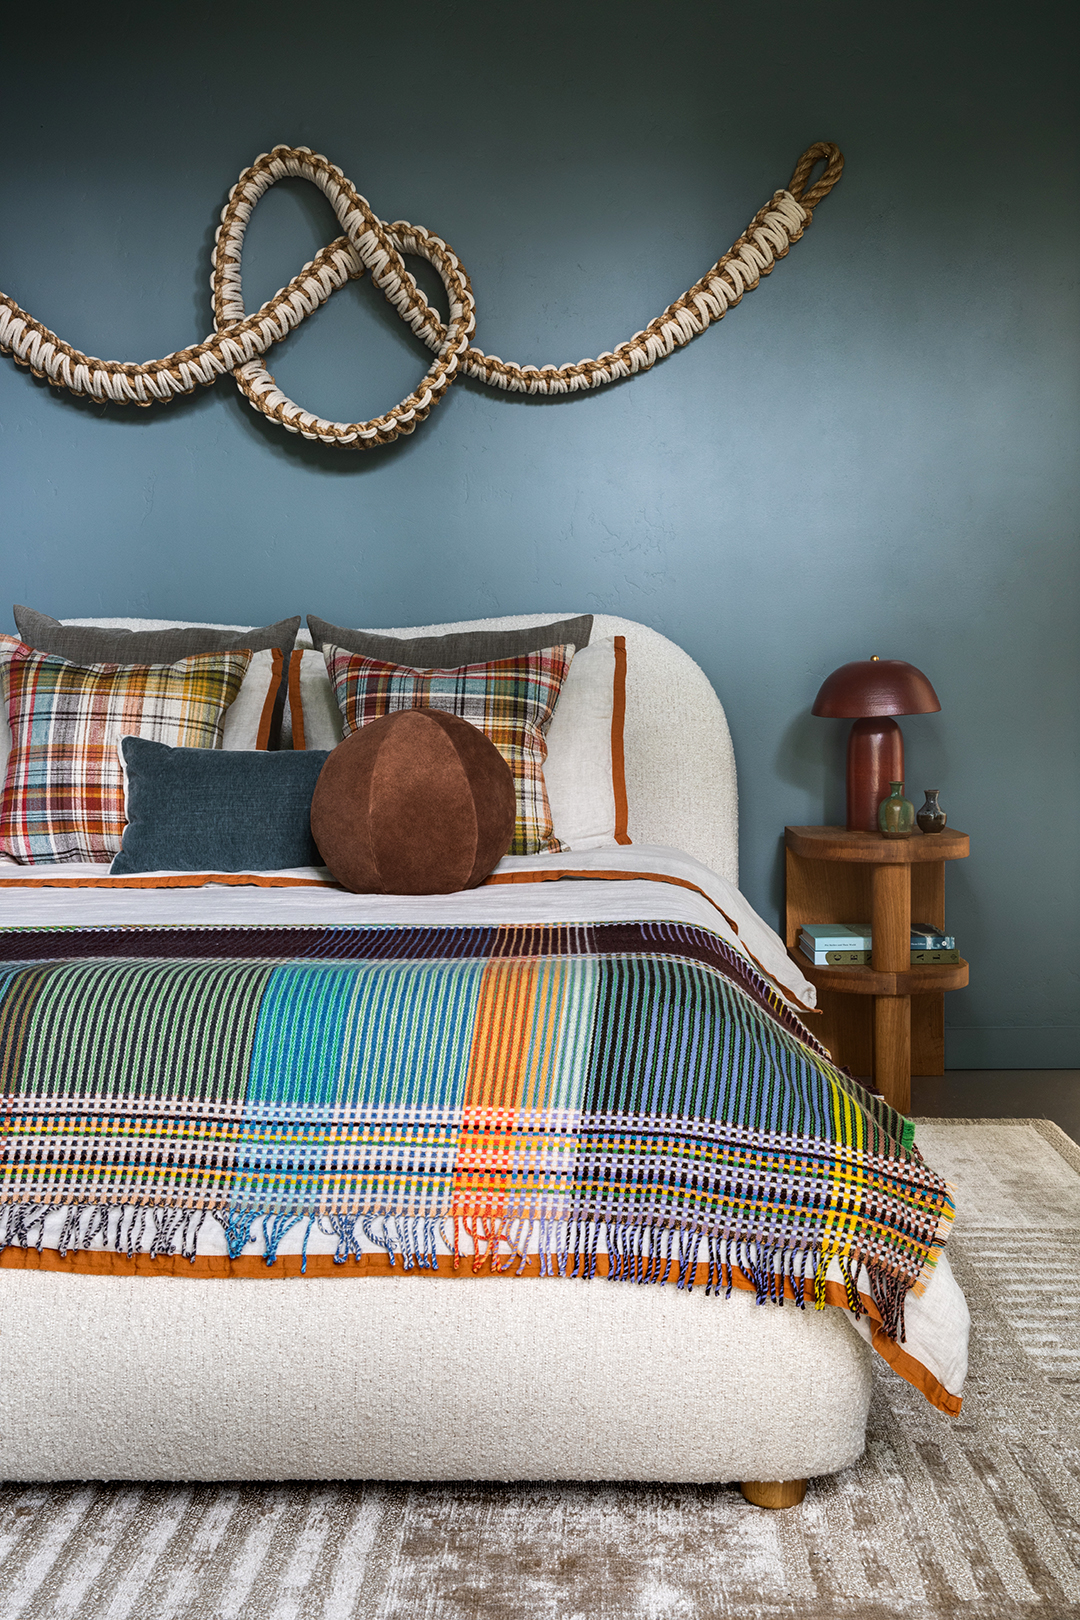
(888, 1018)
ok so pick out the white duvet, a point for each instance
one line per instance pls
(651, 883)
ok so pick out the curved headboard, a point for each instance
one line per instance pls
(680, 765)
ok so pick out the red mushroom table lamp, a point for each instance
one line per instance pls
(869, 692)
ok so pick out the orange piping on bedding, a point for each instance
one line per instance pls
(618, 757)
(198, 880)
(296, 705)
(262, 739)
(174, 880)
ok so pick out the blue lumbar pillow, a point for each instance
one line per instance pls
(209, 810)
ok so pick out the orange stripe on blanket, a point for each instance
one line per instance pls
(515, 1150)
(492, 1099)
(507, 1097)
(208, 1267)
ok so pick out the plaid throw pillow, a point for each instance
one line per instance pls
(511, 700)
(63, 797)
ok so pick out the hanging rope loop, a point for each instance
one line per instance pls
(369, 244)
(821, 152)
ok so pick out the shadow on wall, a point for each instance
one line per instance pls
(812, 757)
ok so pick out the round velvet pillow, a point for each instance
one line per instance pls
(417, 802)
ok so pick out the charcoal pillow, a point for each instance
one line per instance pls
(206, 810)
(455, 648)
(417, 802)
(105, 644)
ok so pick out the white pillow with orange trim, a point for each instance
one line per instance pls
(248, 717)
(583, 771)
(312, 717)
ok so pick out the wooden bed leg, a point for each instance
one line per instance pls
(774, 1493)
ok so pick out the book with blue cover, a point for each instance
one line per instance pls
(838, 936)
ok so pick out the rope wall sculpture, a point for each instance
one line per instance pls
(369, 243)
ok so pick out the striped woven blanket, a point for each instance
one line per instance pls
(631, 1097)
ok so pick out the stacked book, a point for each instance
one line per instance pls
(851, 945)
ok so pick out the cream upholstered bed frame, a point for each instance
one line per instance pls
(440, 1377)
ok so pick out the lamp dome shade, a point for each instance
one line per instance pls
(872, 686)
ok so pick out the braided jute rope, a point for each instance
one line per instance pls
(369, 243)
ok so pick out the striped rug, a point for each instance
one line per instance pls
(976, 1518)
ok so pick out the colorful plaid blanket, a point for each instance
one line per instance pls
(628, 1093)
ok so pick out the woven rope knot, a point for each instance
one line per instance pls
(370, 245)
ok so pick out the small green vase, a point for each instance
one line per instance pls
(896, 815)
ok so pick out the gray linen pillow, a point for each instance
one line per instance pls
(104, 644)
(457, 647)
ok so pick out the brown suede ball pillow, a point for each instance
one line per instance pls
(417, 802)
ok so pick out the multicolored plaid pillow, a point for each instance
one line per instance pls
(511, 700)
(63, 797)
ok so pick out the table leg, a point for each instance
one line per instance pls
(892, 1050)
(891, 920)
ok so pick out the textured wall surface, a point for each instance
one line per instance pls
(875, 452)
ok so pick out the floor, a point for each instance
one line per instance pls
(1000, 1094)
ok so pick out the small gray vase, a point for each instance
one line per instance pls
(931, 817)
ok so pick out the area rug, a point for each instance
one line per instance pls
(976, 1517)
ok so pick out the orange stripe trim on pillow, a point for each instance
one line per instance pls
(106, 1263)
(262, 736)
(618, 757)
(296, 702)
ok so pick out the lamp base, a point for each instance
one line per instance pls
(875, 757)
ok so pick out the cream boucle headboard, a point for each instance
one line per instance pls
(680, 765)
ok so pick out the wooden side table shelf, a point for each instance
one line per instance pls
(887, 1018)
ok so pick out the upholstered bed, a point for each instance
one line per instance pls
(300, 1353)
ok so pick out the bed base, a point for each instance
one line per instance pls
(420, 1378)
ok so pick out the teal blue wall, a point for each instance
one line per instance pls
(875, 453)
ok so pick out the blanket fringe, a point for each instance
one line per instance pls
(643, 1253)
(127, 1229)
